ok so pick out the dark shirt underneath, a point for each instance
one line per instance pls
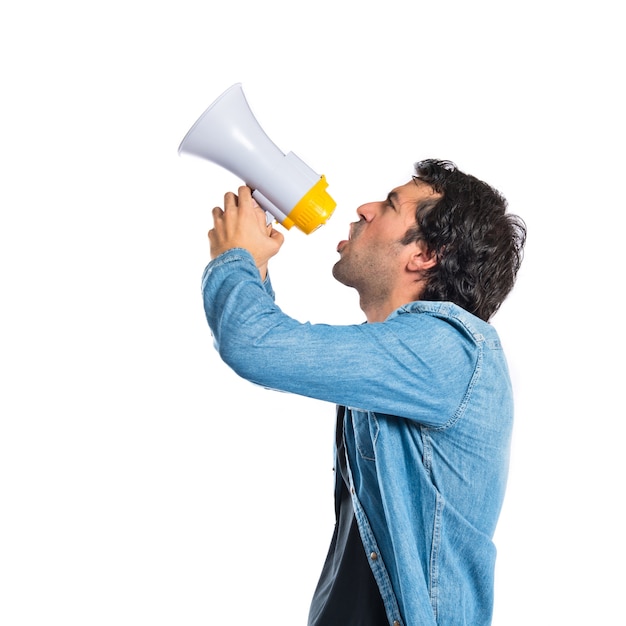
(346, 593)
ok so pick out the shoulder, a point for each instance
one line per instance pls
(445, 319)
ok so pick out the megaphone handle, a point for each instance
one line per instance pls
(268, 206)
(269, 218)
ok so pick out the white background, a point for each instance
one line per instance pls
(142, 482)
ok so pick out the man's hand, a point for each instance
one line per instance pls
(242, 224)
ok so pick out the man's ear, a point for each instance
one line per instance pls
(421, 258)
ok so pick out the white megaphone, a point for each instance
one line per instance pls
(228, 134)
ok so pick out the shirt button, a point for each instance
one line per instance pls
(396, 622)
(373, 556)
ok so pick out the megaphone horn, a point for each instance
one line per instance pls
(228, 134)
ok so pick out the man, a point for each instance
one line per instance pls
(424, 398)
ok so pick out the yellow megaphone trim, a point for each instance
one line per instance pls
(315, 207)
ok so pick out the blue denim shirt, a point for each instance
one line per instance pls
(427, 431)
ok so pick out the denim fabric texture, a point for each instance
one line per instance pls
(427, 427)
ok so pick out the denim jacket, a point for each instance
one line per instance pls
(427, 429)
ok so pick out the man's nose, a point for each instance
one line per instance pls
(367, 211)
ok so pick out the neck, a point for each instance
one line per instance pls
(377, 315)
(378, 309)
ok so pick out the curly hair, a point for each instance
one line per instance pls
(478, 246)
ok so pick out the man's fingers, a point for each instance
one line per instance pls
(230, 200)
(277, 236)
(242, 223)
(245, 193)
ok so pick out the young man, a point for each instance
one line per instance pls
(423, 393)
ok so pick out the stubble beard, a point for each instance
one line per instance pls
(366, 274)
(339, 274)
(349, 271)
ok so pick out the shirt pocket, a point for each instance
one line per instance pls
(365, 427)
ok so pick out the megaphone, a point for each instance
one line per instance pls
(228, 134)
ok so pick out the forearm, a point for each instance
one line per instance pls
(222, 289)
(372, 366)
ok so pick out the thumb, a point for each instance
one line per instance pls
(277, 236)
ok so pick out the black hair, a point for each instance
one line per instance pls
(478, 246)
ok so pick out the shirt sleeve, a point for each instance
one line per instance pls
(413, 365)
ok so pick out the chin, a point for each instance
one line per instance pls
(340, 276)
(337, 271)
